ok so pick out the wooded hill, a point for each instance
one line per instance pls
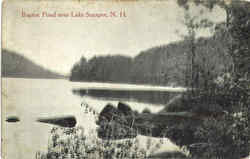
(15, 65)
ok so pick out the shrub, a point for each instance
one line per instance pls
(74, 143)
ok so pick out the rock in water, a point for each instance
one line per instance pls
(64, 121)
(108, 112)
(12, 119)
(124, 109)
(113, 123)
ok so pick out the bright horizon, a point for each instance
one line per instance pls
(58, 43)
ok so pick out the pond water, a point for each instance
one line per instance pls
(29, 99)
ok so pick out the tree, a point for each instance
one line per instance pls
(229, 137)
(78, 72)
(199, 68)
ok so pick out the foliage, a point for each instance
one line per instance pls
(102, 68)
(161, 65)
(229, 135)
(224, 138)
(73, 143)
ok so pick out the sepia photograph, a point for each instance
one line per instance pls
(125, 79)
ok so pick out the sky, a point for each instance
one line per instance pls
(57, 43)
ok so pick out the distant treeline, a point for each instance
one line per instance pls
(161, 65)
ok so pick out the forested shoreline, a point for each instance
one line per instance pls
(160, 65)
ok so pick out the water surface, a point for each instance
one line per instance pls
(30, 99)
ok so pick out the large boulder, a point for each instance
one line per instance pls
(114, 123)
(108, 113)
(124, 109)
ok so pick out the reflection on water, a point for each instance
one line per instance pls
(153, 97)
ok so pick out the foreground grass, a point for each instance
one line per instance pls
(74, 143)
(79, 144)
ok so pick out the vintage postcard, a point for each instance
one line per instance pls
(121, 79)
